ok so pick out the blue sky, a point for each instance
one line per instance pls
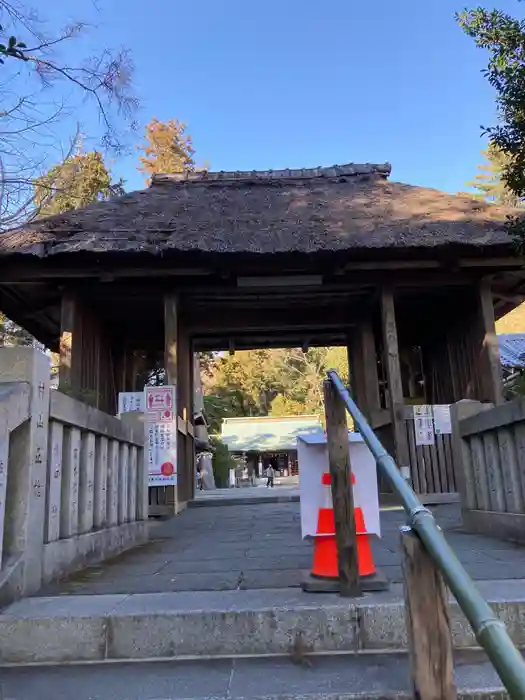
(290, 83)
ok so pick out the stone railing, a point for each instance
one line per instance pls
(73, 483)
(489, 458)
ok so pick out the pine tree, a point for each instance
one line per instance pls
(80, 180)
(167, 149)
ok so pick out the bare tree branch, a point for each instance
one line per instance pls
(41, 90)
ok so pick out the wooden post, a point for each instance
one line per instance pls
(342, 493)
(171, 365)
(427, 621)
(393, 370)
(490, 369)
(363, 366)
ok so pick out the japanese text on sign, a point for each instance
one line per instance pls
(424, 425)
(442, 420)
(162, 453)
(159, 403)
(130, 402)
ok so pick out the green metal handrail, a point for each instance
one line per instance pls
(490, 632)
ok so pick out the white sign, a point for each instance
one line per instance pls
(130, 402)
(442, 420)
(162, 453)
(160, 404)
(312, 453)
(424, 425)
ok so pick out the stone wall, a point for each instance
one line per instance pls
(73, 483)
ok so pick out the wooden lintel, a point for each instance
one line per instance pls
(31, 274)
(509, 261)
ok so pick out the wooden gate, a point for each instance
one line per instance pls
(431, 466)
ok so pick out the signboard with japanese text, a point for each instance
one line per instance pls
(442, 420)
(312, 454)
(161, 443)
(130, 402)
(160, 404)
(424, 425)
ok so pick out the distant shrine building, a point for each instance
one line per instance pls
(261, 442)
(410, 280)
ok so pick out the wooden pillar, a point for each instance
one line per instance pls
(363, 369)
(342, 492)
(185, 411)
(85, 352)
(171, 342)
(393, 372)
(490, 365)
(179, 372)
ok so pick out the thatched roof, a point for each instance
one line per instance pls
(349, 207)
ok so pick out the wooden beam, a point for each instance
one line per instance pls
(393, 372)
(427, 622)
(342, 492)
(490, 368)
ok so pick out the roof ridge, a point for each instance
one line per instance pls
(202, 176)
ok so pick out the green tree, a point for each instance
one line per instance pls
(221, 461)
(489, 184)
(80, 180)
(504, 38)
(269, 382)
(166, 148)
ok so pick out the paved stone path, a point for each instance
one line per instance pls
(259, 546)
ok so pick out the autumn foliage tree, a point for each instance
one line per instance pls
(80, 180)
(167, 148)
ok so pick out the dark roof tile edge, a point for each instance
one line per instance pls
(264, 176)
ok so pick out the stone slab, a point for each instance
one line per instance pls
(229, 623)
(331, 677)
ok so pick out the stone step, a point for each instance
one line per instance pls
(370, 677)
(225, 624)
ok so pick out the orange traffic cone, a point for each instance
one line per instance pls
(325, 563)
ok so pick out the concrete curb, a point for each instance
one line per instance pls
(242, 501)
(227, 624)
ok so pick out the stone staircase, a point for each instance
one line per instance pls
(274, 644)
(131, 629)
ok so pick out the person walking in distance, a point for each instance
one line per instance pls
(270, 473)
